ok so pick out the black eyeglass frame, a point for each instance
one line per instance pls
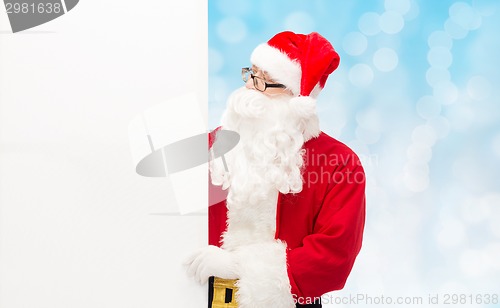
(246, 70)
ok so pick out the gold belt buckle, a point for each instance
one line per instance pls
(224, 290)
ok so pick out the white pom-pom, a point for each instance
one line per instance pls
(304, 107)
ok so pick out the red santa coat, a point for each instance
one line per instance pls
(322, 225)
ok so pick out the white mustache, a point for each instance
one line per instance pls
(248, 103)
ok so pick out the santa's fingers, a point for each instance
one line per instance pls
(204, 279)
(190, 259)
(187, 261)
(202, 271)
(193, 267)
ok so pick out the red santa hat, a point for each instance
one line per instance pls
(302, 63)
(299, 61)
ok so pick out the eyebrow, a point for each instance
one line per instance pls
(265, 75)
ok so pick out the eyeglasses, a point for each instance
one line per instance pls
(258, 82)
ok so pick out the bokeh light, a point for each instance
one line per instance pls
(462, 14)
(400, 6)
(419, 152)
(300, 21)
(440, 57)
(450, 233)
(215, 61)
(445, 92)
(416, 177)
(479, 88)
(355, 43)
(435, 75)
(361, 75)
(232, 30)
(391, 22)
(385, 59)
(369, 23)
(455, 30)
(414, 10)
(485, 7)
(473, 262)
(495, 144)
(428, 107)
(440, 125)
(424, 134)
(440, 38)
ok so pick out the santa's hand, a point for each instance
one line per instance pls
(212, 261)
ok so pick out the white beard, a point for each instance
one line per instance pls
(267, 160)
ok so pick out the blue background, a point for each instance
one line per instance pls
(416, 97)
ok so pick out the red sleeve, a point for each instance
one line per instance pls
(217, 217)
(211, 137)
(324, 261)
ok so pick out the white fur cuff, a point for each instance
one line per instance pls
(263, 276)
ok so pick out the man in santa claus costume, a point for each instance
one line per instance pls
(292, 224)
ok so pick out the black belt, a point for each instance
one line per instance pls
(222, 294)
(317, 304)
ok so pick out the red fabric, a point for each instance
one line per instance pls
(316, 56)
(217, 213)
(212, 135)
(323, 224)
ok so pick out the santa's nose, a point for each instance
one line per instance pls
(249, 84)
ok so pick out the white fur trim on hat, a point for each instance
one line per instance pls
(263, 276)
(281, 68)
